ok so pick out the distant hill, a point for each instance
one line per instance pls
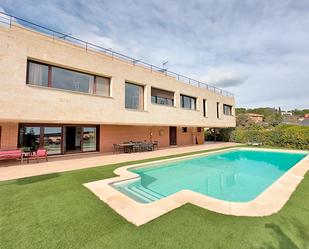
(261, 110)
(300, 113)
(272, 116)
(266, 111)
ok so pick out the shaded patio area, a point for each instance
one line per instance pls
(13, 169)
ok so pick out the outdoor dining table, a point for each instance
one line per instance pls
(127, 147)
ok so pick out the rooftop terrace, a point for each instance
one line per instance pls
(10, 20)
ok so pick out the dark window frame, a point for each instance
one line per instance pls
(230, 109)
(156, 97)
(50, 77)
(182, 102)
(142, 108)
(184, 129)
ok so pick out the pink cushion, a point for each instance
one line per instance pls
(6, 154)
(41, 152)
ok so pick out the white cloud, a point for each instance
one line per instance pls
(257, 49)
(224, 77)
(102, 41)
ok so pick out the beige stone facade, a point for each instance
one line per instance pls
(23, 103)
(255, 118)
(9, 134)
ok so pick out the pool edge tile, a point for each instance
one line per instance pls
(139, 213)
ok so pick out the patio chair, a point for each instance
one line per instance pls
(155, 144)
(149, 146)
(143, 147)
(26, 149)
(40, 153)
(136, 147)
(117, 148)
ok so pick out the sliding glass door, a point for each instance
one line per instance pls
(53, 140)
(89, 139)
(30, 137)
(62, 139)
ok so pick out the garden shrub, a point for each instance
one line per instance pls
(288, 136)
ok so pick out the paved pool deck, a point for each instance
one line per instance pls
(10, 170)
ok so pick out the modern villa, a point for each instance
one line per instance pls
(99, 149)
(71, 96)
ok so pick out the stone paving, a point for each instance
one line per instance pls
(13, 170)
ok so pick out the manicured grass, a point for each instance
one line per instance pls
(57, 211)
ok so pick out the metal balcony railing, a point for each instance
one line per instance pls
(10, 20)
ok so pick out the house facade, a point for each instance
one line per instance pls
(255, 118)
(70, 99)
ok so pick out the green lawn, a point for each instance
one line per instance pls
(56, 211)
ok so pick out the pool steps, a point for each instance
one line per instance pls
(143, 194)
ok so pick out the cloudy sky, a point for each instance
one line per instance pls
(258, 50)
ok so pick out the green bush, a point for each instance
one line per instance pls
(288, 136)
(222, 134)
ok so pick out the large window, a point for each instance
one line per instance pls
(188, 102)
(69, 80)
(56, 77)
(162, 97)
(134, 96)
(227, 109)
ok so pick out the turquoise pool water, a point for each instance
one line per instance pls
(238, 175)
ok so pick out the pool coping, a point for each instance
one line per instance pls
(140, 213)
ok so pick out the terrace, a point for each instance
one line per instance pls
(10, 21)
(13, 169)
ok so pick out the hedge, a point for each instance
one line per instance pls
(287, 136)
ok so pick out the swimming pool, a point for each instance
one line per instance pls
(236, 176)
